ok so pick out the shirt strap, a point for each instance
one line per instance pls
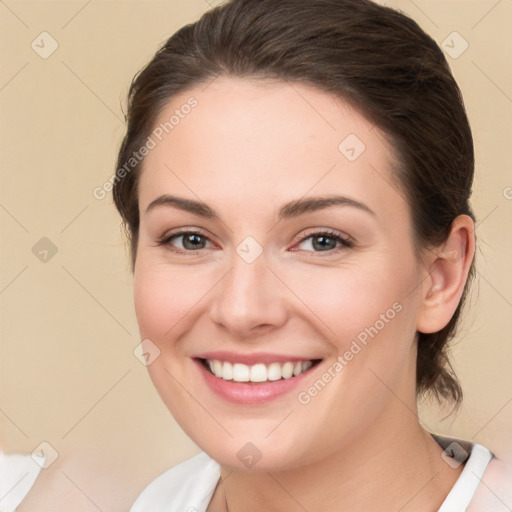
(462, 493)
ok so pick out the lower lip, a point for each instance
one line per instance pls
(250, 392)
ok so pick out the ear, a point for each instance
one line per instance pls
(448, 267)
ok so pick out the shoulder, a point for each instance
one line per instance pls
(495, 489)
(187, 486)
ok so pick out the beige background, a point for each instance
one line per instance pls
(68, 375)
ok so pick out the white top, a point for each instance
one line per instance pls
(17, 475)
(189, 486)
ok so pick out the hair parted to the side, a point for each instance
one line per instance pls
(370, 55)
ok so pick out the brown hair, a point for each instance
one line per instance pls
(373, 56)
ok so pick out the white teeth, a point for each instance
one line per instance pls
(241, 372)
(274, 371)
(259, 372)
(217, 367)
(225, 369)
(287, 370)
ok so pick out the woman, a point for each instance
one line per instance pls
(295, 183)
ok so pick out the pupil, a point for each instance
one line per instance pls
(192, 241)
(323, 243)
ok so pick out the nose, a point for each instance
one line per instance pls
(249, 301)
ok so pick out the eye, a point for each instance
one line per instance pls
(185, 241)
(324, 241)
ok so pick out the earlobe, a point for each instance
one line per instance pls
(448, 273)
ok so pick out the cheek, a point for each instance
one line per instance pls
(156, 309)
(368, 318)
(349, 300)
(164, 298)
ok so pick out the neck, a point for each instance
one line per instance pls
(394, 463)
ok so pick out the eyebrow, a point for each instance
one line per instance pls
(289, 210)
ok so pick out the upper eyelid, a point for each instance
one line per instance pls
(323, 231)
(309, 232)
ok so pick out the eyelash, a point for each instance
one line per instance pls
(344, 243)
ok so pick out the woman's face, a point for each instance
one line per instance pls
(296, 271)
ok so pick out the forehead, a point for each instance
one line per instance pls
(263, 138)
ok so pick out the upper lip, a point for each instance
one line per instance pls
(254, 358)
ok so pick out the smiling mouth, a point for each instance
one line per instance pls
(257, 373)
